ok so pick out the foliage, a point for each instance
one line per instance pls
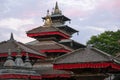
(107, 42)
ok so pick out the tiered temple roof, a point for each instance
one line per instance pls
(53, 39)
(54, 32)
(42, 32)
(43, 46)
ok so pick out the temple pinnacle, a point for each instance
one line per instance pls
(11, 37)
(56, 9)
(56, 6)
(48, 21)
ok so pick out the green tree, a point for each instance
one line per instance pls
(107, 42)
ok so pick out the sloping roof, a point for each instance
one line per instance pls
(45, 29)
(42, 29)
(47, 45)
(67, 28)
(72, 44)
(84, 55)
(13, 45)
(56, 16)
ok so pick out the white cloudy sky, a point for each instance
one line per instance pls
(90, 17)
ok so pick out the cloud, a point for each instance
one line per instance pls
(95, 28)
(16, 26)
(113, 28)
(90, 28)
(86, 32)
(78, 8)
(109, 4)
(14, 23)
(83, 4)
(90, 17)
(23, 38)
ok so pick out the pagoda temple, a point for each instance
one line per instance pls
(53, 40)
(54, 55)
(53, 37)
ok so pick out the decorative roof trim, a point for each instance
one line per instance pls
(87, 65)
(48, 33)
(56, 50)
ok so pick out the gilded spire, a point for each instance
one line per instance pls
(48, 21)
(56, 9)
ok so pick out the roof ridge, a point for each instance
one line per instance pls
(3, 42)
(61, 31)
(69, 53)
(104, 56)
(19, 43)
(33, 29)
(104, 53)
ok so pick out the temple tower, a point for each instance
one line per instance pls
(53, 37)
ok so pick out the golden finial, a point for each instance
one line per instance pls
(48, 21)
